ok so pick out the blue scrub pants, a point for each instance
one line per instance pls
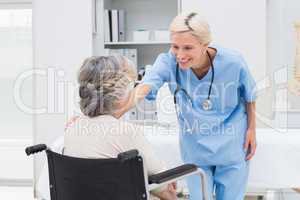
(229, 182)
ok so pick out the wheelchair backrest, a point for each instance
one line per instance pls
(73, 178)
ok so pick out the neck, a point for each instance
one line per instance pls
(119, 113)
(202, 69)
(120, 107)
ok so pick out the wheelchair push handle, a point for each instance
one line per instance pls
(127, 155)
(35, 149)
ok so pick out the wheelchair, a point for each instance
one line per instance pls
(121, 178)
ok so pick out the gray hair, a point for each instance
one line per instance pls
(103, 81)
(192, 22)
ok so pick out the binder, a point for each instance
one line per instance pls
(115, 26)
(121, 23)
(116, 52)
(107, 26)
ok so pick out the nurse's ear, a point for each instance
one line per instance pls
(204, 48)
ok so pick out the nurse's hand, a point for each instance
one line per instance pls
(250, 143)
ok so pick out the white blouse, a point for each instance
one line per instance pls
(105, 137)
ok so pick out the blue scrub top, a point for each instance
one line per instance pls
(214, 137)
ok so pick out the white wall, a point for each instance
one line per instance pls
(16, 167)
(281, 59)
(237, 24)
(16, 125)
(62, 37)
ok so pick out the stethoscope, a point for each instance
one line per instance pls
(207, 103)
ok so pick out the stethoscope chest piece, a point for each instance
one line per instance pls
(207, 104)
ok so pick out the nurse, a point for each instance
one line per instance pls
(215, 97)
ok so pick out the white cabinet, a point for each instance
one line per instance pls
(282, 45)
(150, 15)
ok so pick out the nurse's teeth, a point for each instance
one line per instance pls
(183, 62)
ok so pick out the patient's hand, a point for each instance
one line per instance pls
(169, 193)
(174, 185)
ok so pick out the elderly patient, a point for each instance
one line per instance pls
(105, 83)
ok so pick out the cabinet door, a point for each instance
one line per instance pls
(237, 24)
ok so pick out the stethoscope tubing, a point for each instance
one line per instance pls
(178, 88)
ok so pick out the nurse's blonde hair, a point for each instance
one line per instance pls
(192, 22)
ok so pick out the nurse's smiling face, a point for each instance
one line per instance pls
(188, 50)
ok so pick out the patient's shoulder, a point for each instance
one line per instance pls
(71, 122)
(132, 129)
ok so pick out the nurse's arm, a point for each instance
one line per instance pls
(135, 96)
(251, 115)
(250, 143)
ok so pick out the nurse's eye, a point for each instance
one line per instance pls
(188, 48)
(175, 47)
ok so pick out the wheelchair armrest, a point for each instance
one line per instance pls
(172, 174)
